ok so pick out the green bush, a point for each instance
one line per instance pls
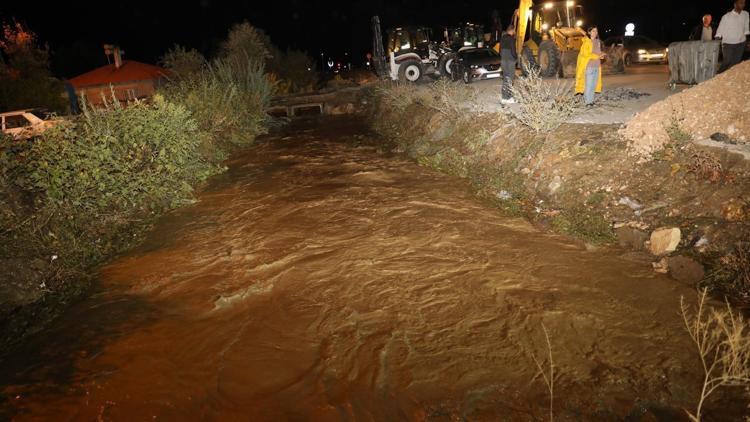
(183, 63)
(245, 41)
(228, 99)
(295, 71)
(89, 177)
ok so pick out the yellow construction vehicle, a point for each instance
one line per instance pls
(555, 33)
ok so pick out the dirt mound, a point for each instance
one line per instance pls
(717, 105)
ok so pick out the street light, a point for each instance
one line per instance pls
(630, 30)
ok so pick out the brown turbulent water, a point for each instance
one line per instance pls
(321, 279)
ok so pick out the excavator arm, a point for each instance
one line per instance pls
(522, 23)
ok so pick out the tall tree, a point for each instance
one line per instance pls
(25, 77)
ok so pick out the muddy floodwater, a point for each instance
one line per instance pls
(322, 278)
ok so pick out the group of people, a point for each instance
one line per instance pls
(732, 31)
(588, 69)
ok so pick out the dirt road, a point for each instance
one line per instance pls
(649, 79)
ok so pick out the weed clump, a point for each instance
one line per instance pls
(584, 224)
(544, 105)
(731, 275)
(722, 339)
(706, 166)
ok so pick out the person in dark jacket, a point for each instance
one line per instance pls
(508, 58)
(705, 31)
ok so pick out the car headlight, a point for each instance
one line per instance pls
(642, 51)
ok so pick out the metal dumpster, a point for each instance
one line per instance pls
(692, 62)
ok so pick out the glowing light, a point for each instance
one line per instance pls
(548, 5)
(630, 30)
(579, 23)
(642, 51)
(571, 3)
(545, 27)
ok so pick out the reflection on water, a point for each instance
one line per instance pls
(319, 280)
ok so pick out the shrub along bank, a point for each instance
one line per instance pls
(89, 188)
(579, 180)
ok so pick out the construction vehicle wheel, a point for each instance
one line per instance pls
(445, 64)
(410, 71)
(549, 59)
(455, 72)
(527, 61)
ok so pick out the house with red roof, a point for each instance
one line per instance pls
(128, 79)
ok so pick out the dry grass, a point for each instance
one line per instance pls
(732, 275)
(706, 166)
(451, 99)
(722, 338)
(544, 104)
(398, 95)
(547, 371)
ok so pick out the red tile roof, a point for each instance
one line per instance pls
(129, 71)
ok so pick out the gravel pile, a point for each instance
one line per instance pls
(719, 105)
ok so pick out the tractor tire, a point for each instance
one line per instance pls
(527, 62)
(549, 59)
(445, 64)
(410, 71)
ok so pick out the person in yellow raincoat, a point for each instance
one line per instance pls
(589, 67)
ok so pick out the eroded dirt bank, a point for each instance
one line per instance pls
(323, 278)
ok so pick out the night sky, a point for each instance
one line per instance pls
(76, 30)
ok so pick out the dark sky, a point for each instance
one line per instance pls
(76, 30)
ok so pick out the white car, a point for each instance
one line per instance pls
(24, 124)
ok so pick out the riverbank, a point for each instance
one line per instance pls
(90, 187)
(684, 211)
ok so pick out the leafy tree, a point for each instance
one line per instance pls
(25, 77)
(182, 62)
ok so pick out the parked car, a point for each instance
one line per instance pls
(639, 49)
(476, 63)
(24, 124)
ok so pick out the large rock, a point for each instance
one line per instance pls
(631, 238)
(685, 269)
(664, 241)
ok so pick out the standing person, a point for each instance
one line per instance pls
(733, 31)
(705, 31)
(508, 58)
(589, 67)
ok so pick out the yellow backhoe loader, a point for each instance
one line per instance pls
(549, 35)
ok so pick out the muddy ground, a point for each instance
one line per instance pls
(579, 180)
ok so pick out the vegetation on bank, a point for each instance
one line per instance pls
(578, 179)
(89, 187)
